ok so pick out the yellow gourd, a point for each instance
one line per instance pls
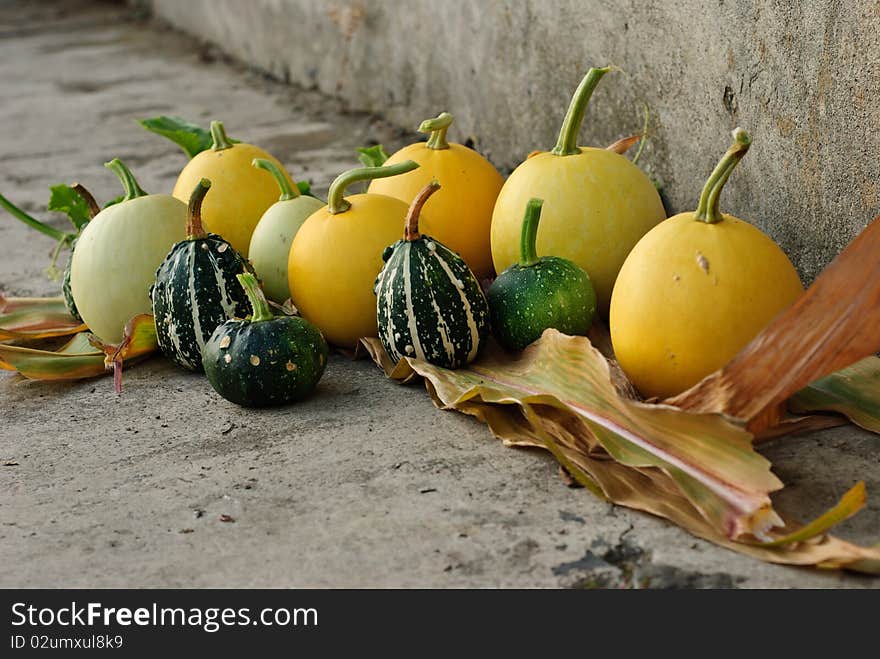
(695, 290)
(240, 193)
(597, 204)
(337, 254)
(469, 186)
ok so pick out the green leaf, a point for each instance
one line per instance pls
(190, 137)
(372, 156)
(65, 199)
(115, 201)
(853, 391)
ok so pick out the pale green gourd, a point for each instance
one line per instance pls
(117, 254)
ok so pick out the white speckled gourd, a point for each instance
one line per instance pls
(429, 304)
(196, 289)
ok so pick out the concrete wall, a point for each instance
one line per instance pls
(802, 77)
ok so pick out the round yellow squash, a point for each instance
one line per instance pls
(469, 187)
(695, 290)
(337, 255)
(597, 204)
(240, 193)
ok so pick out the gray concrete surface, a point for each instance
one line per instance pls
(800, 76)
(366, 484)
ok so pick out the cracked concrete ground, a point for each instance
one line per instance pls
(365, 484)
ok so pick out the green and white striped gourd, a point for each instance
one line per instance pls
(429, 304)
(196, 289)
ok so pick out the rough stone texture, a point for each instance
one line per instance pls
(366, 484)
(800, 76)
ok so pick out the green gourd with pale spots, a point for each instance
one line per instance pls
(196, 288)
(264, 359)
(429, 304)
(539, 293)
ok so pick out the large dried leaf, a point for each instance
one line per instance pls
(84, 356)
(700, 471)
(830, 327)
(853, 392)
(31, 319)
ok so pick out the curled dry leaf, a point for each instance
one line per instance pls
(35, 318)
(697, 470)
(83, 356)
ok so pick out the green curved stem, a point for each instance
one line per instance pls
(218, 133)
(34, 223)
(257, 298)
(129, 183)
(336, 202)
(411, 227)
(194, 227)
(437, 127)
(566, 145)
(707, 210)
(288, 191)
(528, 253)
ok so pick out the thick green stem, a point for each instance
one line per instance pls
(218, 133)
(528, 253)
(129, 183)
(707, 210)
(566, 145)
(437, 127)
(257, 298)
(336, 202)
(411, 227)
(287, 191)
(34, 223)
(194, 227)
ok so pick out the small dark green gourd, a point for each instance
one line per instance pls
(539, 293)
(196, 288)
(429, 304)
(264, 359)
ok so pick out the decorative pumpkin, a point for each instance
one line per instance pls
(337, 254)
(117, 254)
(196, 288)
(264, 359)
(539, 293)
(463, 207)
(429, 304)
(269, 250)
(241, 192)
(696, 290)
(597, 204)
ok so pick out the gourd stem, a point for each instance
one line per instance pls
(336, 203)
(194, 227)
(288, 191)
(34, 223)
(437, 127)
(528, 254)
(257, 298)
(129, 183)
(411, 228)
(87, 197)
(707, 210)
(566, 145)
(218, 133)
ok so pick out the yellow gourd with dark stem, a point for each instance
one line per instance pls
(462, 208)
(695, 290)
(597, 204)
(240, 192)
(337, 254)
